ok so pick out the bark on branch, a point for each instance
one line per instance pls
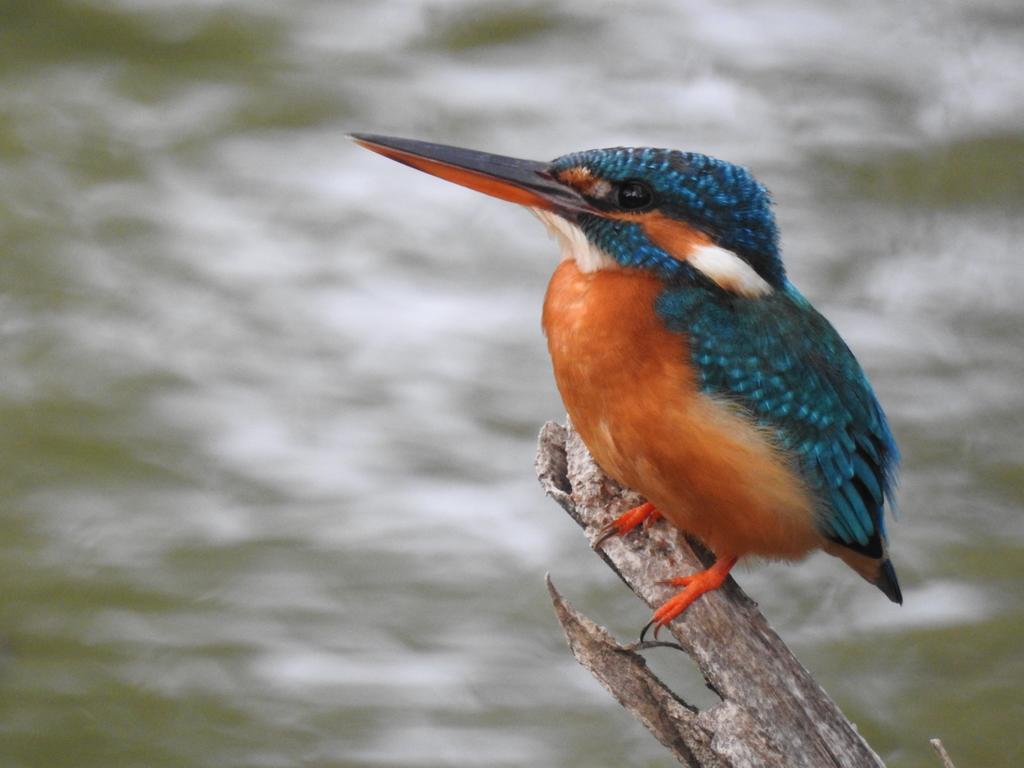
(772, 712)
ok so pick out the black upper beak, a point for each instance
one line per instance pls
(525, 182)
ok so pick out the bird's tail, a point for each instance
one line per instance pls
(887, 582)
(878, 571)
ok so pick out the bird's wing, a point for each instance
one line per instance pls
(780, 360)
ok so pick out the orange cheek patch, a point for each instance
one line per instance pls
(674, 237)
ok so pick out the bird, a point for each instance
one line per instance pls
(688, 362)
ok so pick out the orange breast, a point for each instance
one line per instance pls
(631, 393)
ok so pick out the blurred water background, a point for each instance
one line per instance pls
(269, 402)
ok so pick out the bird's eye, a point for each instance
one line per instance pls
(634, 195)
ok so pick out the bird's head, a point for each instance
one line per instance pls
(681, 215)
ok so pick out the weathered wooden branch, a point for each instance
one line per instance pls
(940, 750)
(772, 712)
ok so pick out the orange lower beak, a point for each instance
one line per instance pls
(524, 182)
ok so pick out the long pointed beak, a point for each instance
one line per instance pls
(518, 181)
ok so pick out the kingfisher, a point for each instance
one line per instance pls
(692, 368)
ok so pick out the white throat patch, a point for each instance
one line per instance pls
(574, 244)
(728, 271)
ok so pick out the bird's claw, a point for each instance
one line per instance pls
(643, 632)
(693, 586)
(643, 514)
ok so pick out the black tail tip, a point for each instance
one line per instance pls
(888, 583)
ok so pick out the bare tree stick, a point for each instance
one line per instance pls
(772, 712)
(940, 750)
(625, 675)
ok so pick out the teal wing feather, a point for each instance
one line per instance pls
(779, 359)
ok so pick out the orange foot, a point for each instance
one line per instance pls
(623, 524)
(694, 586)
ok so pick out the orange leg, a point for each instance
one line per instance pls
(623, 524)
(693, 587)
